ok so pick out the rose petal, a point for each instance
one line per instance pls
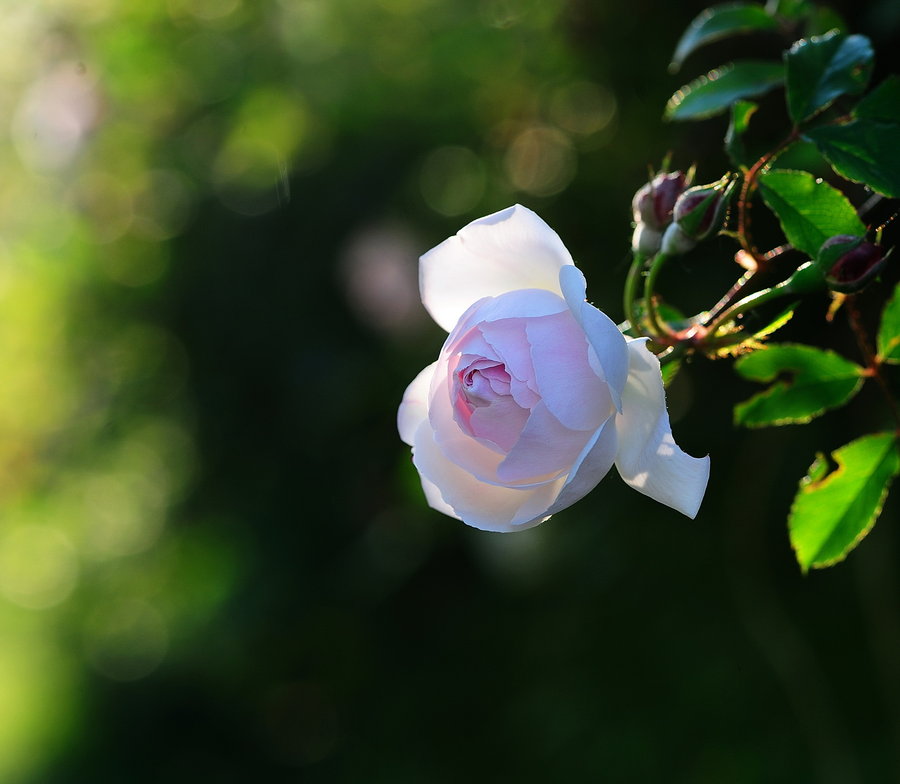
(573, 392)
(592, 465)
(649, 459)
(481, 505)
(414, 406)
(608, 343)
(509, 250)
(509, 341)
(544, 449)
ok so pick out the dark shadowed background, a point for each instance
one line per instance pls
(216, 564)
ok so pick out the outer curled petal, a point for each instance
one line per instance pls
(414, 407)
(592, 465)
(509, 250)
(611, 353)
(649, 459)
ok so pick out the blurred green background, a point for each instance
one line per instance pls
(215, 561)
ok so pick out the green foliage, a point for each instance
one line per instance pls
(866, 148)
(714, 93)
(809, 210)
(820, 69)
(832, 512)
(717, 22)
(889, 331)
(817, 381)
(741, 112)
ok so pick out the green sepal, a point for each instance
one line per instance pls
(818, 381)
(833, 512)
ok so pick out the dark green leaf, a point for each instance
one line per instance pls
(721, 87)
(720, 21)
(833, 512)
(821, 20)
(889, 331)
(866, 149)
(818, 381)
(741, 112)
(791, 10)
(809, 210)
(821, 68)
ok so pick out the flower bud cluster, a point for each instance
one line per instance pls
(652, 207)
(698, 213)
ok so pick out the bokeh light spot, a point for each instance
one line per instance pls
(540, 161)
(125, 640)
(452, 180)
(38, 566)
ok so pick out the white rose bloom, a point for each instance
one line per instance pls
(536, 394)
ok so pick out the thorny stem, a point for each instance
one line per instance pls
(747, 188)
(747, 303)
(742, 281)
(873, 362)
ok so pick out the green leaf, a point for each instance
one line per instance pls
(817, 381)
(889, 331)
(809, 210)
(741, 112)
(721, 87)
(822, 20)
(866, 149)
(791, 10)
(717, 22)
(821, 68)
(832, 513)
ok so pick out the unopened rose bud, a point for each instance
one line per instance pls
(645, 240)
(652, 205)
(698, 213)
(849, 262)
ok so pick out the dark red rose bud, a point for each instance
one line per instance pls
(698, 213)
(652, 205)
(849, 262)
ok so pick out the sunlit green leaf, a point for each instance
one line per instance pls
(866, 149)
(889, 331)
(720, 21)
(741, 112)
(809, 210)
(821, 68)
(813, 382)
(832, 512)
(714, 93)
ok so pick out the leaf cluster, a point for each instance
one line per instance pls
(825, 74)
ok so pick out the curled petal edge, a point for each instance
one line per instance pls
(648, 458)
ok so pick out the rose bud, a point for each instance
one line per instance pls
(536, 394)
(849, 262)
(698, 213)
(652, 205)
(645, 240)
